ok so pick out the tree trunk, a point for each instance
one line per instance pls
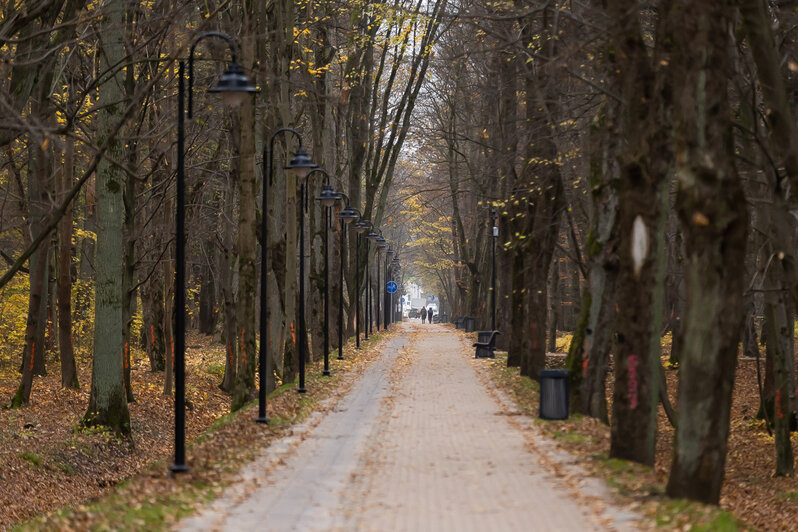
(42, 254)
(169, 318)
(589, 353)
(69, 373)
(555, 305)
(779, 323)
(227, 265)
(644, 169)
(244, 389)
(713, 213)
(598, 333)
(207, 295)
(519, 343)
(108, 402)
(38, 277)
(34, 349)
(130, 234)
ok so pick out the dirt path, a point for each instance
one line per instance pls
(418, 444)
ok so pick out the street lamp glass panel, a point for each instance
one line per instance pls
(328, 196)
(362, 226)
(348, 215)
(300, 164)
(234, 86)
(373, 235)
(390, 251)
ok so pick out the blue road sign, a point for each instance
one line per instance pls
(391, 287)
(403, 301)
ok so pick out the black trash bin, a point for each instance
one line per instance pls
(484, 352)
(554, 394)
(470, 324)
(458, 322)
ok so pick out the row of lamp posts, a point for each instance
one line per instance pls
(233, 87)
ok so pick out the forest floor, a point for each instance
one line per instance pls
(751, 495)
(76, 479)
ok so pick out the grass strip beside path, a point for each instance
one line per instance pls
(632, 485)
(155, 500)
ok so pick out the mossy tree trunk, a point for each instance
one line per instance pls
(713, 214)
(108, 400)
(643, 171)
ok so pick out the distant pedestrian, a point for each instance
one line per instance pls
(430, 313)
(423, 314)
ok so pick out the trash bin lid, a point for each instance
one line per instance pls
(554, 374)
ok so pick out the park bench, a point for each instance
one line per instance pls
(485, 347)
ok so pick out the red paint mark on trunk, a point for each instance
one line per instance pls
(633, 381)
(32, 354)
(585, 356)
(172, 348)
(293, 335)
(779, 413)
(126, 357)
(152, 334)
(243, 349)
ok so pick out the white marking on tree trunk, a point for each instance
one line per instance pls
(639, 244)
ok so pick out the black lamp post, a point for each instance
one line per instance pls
(346, 216)
(300, 165)
(372, 236)
(386, 268)
(493, 274)
(233, 86)
(328, 198)
(361, 226)
(381, 244)
(396, 266)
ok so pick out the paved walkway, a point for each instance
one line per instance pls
(417, 445)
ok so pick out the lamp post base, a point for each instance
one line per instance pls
(301, 390)
(339, 357)
(179, 468)
(263, 420)
(326, 373)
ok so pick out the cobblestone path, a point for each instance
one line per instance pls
(417, 445)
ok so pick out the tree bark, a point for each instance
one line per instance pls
(108, 402)
(779, 323)
(644, 169)
(713, 214)
(227, 280)
(69, 373)
(555, 306)
(244, 388)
